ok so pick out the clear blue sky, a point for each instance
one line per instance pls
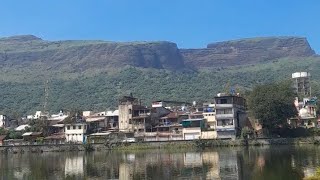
(189, 23)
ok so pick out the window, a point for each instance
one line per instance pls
(68, 127)
(74, 127)
(223, 101)
(208, 109)
(79, 127)
(85, 126)
(224, 111)
(225, 122)
(130, 121)
(130, 111)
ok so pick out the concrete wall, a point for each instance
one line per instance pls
(209, 135)
(194, 132)
(124, 117)
(211, 119)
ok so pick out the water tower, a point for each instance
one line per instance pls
(301, 83)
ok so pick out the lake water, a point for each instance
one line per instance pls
(269, 163)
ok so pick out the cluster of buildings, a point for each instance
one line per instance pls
(222, 118)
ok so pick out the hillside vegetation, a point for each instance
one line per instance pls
(103, 90)
(92, 75)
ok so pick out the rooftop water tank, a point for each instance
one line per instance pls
(300, 74)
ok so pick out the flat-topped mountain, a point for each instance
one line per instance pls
(89, 54)
(247, 51)
(83, 74)
(81, 55)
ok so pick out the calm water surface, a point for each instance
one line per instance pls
(281, 162)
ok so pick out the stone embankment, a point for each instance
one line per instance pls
(157, 145)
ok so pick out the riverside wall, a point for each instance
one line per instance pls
(157, 145)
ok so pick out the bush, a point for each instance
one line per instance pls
(15, 135)
(246, 132)
(40, 140)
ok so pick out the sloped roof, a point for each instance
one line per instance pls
(171, 115)
(56, 136)
(95, 118)
(32, 134)
(27, 134)
(100, 134)
(58, 125)
(21, 127)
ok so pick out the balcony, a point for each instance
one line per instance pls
(225, 128)
(138, 126)
(220, 106)
(140, 115)
(224, 116)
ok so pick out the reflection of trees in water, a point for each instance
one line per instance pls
(269, 163)
(32, 166)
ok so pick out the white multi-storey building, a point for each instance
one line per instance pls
(76, 132)
(230, 115)
(2, 121)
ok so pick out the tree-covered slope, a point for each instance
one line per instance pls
(103, 90)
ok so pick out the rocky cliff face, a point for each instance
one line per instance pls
(82, 55)
(247, 51)
(78, 56)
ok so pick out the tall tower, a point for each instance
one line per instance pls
(301, 83)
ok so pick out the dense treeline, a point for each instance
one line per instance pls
(101, 91)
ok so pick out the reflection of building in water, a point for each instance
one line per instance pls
(126, 168)
(199, 165)
(125, 171)
(74, 166)
(228, 162)
(193, 159)
(212, 159)
(150, 165)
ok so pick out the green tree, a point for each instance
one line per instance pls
(39, 125)
(74, 115)
(272, 104)
(14, 134)
(3, 131)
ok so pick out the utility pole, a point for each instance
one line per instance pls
(45, 112)
(46, 97)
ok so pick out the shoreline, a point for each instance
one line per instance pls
(40, 148)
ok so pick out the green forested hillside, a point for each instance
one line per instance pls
(22, 90)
